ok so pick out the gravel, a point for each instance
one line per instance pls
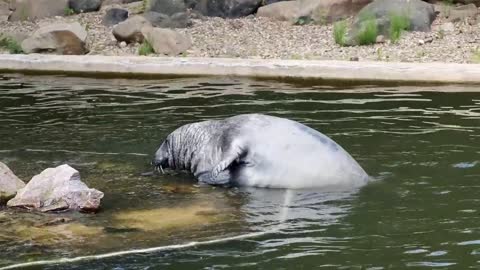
(255, 37)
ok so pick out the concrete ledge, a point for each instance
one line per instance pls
(298, 69)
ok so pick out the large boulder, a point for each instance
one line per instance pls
(60, 38)
(4, 10)
(418, 15)
(318, 11)
(225, 8)
(322, 12)
(166, 41)
(281, 11)
(80, 6)
(130, 30)
(9, 183)
(57, 189)
(37, 9)
(167, 7)
(177, 20)
(114, 16)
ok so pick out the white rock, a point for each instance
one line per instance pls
(166, 41)
(9, 183)
(57, 188)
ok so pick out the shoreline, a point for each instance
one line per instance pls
(316, 70)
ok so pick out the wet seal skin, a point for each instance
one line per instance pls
(259, 150)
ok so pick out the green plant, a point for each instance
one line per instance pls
(145, 5)
(68, 11)
(303, 20)
(145, 48)
(379, 54)
(398, 24)
(441, 34)
(476, 56)
(368, 31)
(340, 32)
(10, 44)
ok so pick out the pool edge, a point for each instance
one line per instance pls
(323, 70)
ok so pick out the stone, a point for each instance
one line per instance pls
(32, 10)
(123, 44)
(419, 15)
(447, 27)
(57, 189)
(4, 11)
(269, 2)
(114, 16)
(281, 11)
(226, 8)
(130, 30)
(380, 39)
(177, 20)
(9, 183)
(166, 41)
(83, 6)
(462, 13)
(322, 12)
(60, 38)
(167, 7)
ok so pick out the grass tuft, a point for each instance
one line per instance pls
(10, 44)
(145, 49)
(340, 32)
(368, 32)
(398, 24)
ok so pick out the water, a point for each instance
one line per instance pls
(421, 143)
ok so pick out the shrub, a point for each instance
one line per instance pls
(146, 48)
(398, 23)
(69, 11)
(340, 32)
(368, 31)
(10, 44)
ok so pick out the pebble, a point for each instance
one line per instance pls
(123, 44)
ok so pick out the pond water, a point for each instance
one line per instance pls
(421, 144)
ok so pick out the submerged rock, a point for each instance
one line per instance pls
(58, 233)
(169, 218)
(56, 189)
(9, 183)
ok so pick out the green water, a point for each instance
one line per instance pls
(422, 144)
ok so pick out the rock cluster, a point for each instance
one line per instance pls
(54, 189)
(297, 29)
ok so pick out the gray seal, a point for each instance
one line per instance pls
(261, 151)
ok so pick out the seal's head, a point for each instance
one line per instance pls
(161, 157)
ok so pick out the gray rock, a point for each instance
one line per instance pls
(9, 183)
(56, 189)
(114, 16)
(131, 29)
(419, 15)
(37, 9)
(281, 11)
(167, 7)
(461, 13)
(80, 6)
(60, 38)
(226, 8)
(4, 11)
(177, 20)
(322, 12)
(269, 2)
(166, 41)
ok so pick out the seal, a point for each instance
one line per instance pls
(261, 151)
